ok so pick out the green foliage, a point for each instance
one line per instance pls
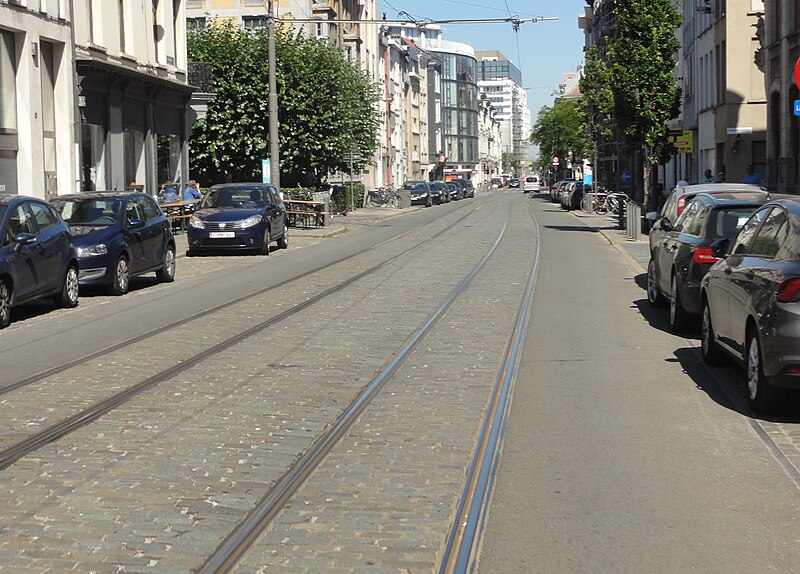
(631, 76)
(561, 131)
(510, 162)
(327, 106)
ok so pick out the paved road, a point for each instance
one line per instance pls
(624, 453)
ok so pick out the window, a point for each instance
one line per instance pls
(20, 221)
(135, 210)
(43, 215)
(195, 23)
(151, 210)
(691, 218)
(254, 22)
(743, 240)
(8, 82)
(190, 4)
(771, 235)
(48, 85)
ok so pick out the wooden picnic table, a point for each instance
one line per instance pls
(179, 212)
(305, 212)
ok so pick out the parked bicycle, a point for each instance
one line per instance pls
(382, 197)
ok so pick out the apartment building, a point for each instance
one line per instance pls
(38, 115)
(501, 81)
(130, 58)
(490, 142)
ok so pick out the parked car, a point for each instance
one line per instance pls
(751, 303)
(680, 197)
(118, 235)
(558, 188)
(37, 256)
(571, 195)
(456, 192)
(531, 184)
(237, 216)
(440, 192)
(466, 185)
(682, 256)
(514, 182)
(495, 183)
(420, 192)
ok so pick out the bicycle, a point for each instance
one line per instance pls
(598, 203)
(382, 197)
(614, 201)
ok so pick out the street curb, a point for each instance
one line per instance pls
(614, 242)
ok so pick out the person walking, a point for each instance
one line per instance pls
(751, 177)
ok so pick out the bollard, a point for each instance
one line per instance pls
(590, 203)
(634, 221)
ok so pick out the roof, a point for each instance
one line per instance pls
(6, 198)
(96, 194)
(735, 197)
(719, 187)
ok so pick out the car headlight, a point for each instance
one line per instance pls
(196, 222)
(90, 250)
(251, 221)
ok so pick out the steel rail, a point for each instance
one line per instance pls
(13, 453)
(204, 313)
(235, 545)
(461, 548)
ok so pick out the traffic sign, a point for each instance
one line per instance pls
(350, 157)
(797, 73)
(556, 160)
(797, 107)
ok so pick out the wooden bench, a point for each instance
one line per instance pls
(306, 213)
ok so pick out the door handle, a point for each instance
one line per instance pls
(749, 274)
(728, 271)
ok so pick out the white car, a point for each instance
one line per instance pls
(531, 184)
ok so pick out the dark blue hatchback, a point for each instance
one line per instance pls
(236, 216)
(37, 258)
(118, 235)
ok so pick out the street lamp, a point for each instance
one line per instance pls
(272, 102)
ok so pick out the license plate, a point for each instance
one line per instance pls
(221, 234)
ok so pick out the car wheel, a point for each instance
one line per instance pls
(267, 239)
(68, 297)
(678, 318)
(5, 304)
(167, 272)
(122, 277)
(654, 296)
(708, 345)
(762, 397)
(283, 242)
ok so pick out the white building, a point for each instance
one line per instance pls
(38, 144)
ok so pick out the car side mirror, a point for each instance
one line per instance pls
(136, 223)
(651, 215)
(720, 247)
(666, 224)
(24, 238)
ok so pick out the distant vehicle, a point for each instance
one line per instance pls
(531, 184)
(118, 235)
(682, 257)
(456, 192)
(420, 192)
(440, 192)
(496, 183)
(505, 177)
(513, 182)
(466, 185)
(751, 303)
(239, 216)
(37, 256)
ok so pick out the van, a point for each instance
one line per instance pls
(531, 184)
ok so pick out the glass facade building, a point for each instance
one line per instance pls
(459, 108)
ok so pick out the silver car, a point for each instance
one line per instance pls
(751, 303)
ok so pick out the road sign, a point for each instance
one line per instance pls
(556, 160)
(350, 157)
(266, 174)
(797, 107)
(797, 73)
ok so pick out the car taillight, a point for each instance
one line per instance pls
(681, 204)
(789, 291)
(704, 255)
(792, 370)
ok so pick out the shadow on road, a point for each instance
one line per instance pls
(571, 228)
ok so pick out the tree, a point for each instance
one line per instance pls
(560, 131)
(327, 106)
(629, 79)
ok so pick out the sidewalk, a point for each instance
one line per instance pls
(636, 252)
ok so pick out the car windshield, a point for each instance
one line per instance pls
(727, 222)
(96, 211)
(235, 197)
(414, 186)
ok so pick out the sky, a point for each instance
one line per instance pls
(541, 50)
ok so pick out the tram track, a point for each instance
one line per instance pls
(463, 541)
(87, 415)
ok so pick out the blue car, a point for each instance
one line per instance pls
(118, 235)
(239, 216)
(37, 257)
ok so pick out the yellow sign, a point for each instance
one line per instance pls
(684, 143)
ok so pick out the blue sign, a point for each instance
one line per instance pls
(797, 107)
(587, 179)
(266, 173)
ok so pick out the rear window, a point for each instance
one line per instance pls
(89, 211)
(728, 222)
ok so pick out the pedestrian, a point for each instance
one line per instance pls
(720, 177)
(191, 193)
(708, 177)
(751, 177)
(168, 194)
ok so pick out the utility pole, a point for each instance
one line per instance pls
(272, 103)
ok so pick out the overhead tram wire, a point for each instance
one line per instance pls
(421, 23)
